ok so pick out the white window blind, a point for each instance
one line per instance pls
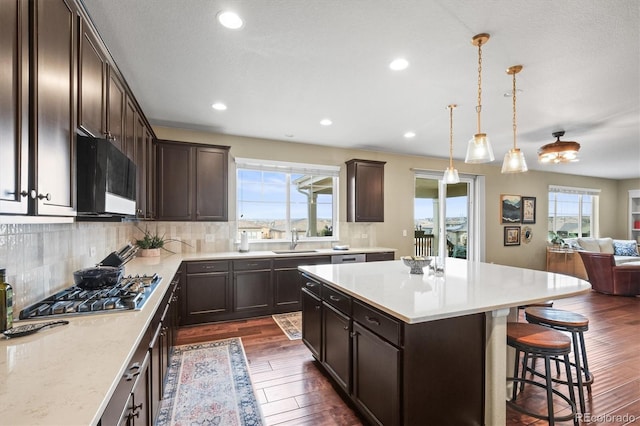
(572, 190)
(287, 167)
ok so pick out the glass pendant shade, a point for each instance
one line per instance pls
(451, 176)
(514, 162)
(479, 149)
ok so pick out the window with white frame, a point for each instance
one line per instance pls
(275, 197)
(573, 212)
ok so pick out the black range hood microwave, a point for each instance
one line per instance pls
(106, 182)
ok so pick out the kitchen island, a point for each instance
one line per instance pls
(420, 317)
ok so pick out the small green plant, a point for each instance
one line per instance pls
(154, 240)
(555, 238)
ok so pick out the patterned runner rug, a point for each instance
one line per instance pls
(290, 323)
(209, 384)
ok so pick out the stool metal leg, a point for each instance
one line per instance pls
(587, 374)
(576, 355)
(572, 395)
(547, 373)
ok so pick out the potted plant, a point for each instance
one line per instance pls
(151, 243)
(555, 239)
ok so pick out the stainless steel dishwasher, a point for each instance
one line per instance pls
(348, 258)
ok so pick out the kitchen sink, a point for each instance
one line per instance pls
(293, 251)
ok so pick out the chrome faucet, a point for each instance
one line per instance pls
(294, 239)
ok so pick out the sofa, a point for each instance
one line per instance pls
(608, 278)
(623, 251)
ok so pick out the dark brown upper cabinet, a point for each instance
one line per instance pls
(92, 70)
(14, 104)
(192, 181)
(115, 109)
(365, 191)
(54, 106)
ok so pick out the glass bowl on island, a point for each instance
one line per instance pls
(416, 263)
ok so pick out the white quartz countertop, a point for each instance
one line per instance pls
(467, 287)
(65, 375)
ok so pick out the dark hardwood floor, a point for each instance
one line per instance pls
(293, 391)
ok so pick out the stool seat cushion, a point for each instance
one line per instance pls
(537, 337)
(556, 317)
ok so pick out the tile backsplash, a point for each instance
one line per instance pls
(40, 258)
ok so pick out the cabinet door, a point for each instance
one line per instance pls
(55, 44)
(92, 67)
(312, 323)
(115, 109)
(365, 191)
(157, 377)
(252, 290)
(14, 104)
(141, 160)
(336, 345)
(376, 377)
(175, 170)
(287, 284)
(211, 184)
(139, 410)
(206, 295)
(130, 122)
(151, 177)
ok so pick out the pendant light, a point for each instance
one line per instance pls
(559, 151)
(514, 161)
(479, 149)
(451, 174)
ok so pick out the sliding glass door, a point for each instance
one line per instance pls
(444, 216)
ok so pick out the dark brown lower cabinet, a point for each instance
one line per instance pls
(312, 322)
(287, 281)
(206, 292)
(336, 348)
(252, 286)
(376, 377)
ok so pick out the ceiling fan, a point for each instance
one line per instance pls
(559, 151)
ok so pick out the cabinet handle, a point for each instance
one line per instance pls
(354, 334)
(24, 193)
(135, 366)
(334, 298)
(311, 285)
(349, 259)
(46, 196)
(130, 376)
(317, 307)
(346, 327)
(372, 320)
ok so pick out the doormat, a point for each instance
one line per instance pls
(290, 323)
(209, 383)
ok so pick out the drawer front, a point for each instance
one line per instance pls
(294, 262)
(337, 299)
(311, 285)
(252, 264)
(380, 323)
(207, 266)
(377, 257)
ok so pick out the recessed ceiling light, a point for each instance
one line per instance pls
(219, 106)
(410, 135)
(326, 122)
(288, 135)
(230, 20)
(399, 64)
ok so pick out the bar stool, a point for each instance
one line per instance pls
(541, 342)
(547, 304)
(573, 323)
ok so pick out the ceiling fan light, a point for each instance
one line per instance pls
(479, 149)
(514, 162)
(559, 152)
(451, 176)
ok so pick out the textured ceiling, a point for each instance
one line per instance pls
(298, 61)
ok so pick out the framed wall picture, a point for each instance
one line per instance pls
(528, 209)
(511, 235)
(510, 208)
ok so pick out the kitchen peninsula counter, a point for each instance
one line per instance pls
(467, 290)
(66, 375)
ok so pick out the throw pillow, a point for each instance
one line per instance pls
(606, 245)
(589, 244)
(625, 248)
